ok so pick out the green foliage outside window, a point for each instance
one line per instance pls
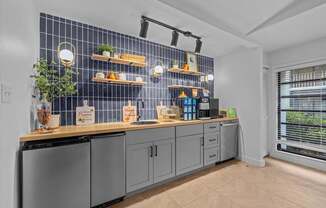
(313, 134)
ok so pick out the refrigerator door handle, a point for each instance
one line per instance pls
(229, 124)
(106, 136)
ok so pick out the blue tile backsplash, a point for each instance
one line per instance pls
(108, 99)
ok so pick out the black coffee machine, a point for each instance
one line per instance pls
(208, 108)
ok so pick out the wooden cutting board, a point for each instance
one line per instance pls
(129, 113)
(159, 110)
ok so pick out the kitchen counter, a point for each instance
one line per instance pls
(72, 131)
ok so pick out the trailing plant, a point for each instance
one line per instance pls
(50, 84)
(105, 47)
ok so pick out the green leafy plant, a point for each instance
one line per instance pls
(50, 84)
(105, 47)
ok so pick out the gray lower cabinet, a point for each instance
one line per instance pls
(189, 153)
(107, 168)
(139, 166)
(211, 155)
(211, 143)
(150, 157)
(164, 159)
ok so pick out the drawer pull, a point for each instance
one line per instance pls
(211, 156)
(212, 127)
(212, 140)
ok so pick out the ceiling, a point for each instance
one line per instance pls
(224, 24)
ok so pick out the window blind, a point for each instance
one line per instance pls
(302, 111)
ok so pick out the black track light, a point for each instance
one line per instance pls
(175, 36)
(175, 32)
(198, 46)
(143, 28)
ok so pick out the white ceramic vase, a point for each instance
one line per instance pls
(106, 53)
(54, 122)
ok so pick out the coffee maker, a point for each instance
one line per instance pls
(208, 108)
(203, 108)
(214, 108)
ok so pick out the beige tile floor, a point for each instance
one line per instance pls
(236, 185)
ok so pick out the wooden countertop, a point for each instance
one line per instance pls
(71, 131)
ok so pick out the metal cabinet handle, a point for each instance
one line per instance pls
(151, 151)
(211, 156)
(202, 141)
(155, 150)
(212, 127)
(229, 124)
(212, 140)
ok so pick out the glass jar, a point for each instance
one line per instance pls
(44, 113)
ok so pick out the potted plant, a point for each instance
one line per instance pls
(175, 64)
(51, 86)
(106, 50)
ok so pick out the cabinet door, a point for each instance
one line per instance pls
(139, 166)
(164, 160)
(107, 168)
(189, 153)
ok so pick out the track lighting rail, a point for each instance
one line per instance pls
(185, 33)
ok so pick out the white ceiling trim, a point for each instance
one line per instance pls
(218, 24)
(295, 8)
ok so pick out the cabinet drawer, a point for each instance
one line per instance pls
(189, 130)
(210, 156)
(149, 135)
(211, 127)
(211, 140)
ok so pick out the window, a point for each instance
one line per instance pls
(302, 111)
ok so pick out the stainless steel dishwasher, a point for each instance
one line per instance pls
(229, 140)
(56, 173)
(107, 168)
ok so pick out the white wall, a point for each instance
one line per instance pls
(238, 83)
(303, 55)
(18, 46)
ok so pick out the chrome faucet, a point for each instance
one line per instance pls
(142, 106)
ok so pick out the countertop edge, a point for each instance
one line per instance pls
(104, 128)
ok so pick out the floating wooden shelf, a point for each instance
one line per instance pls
(184, 87)
(181, 71)
(120, 82)
(117, 60)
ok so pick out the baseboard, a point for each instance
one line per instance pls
(253, 161)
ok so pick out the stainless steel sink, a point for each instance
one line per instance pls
(144, 122)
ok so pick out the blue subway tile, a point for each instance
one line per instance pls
(42, 24)
(42, 40)
(62, 29)
(49, 26)
(109, 99)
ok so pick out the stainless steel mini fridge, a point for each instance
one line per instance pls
(56, 174)
(229, 140)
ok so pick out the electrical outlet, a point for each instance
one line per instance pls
(5, 93)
